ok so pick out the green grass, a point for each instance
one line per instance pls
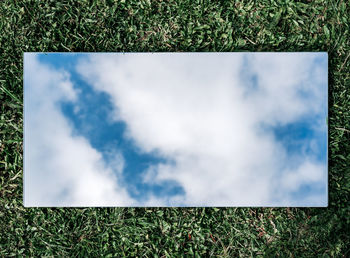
(167, 25)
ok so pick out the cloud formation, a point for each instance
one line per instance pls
(230, 129)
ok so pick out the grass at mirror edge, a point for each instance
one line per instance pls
(174, 26)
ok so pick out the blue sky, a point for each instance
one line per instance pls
(165, 151)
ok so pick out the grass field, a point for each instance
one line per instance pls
(166, 25)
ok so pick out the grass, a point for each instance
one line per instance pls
(166, 25)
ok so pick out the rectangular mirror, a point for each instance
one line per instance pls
(175, 129)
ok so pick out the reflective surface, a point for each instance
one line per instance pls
(175, 129)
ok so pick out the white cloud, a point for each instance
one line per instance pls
(61, 169)
(281, 78)
(191, 108)
(306, 173)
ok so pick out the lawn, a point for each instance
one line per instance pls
(172, 26)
